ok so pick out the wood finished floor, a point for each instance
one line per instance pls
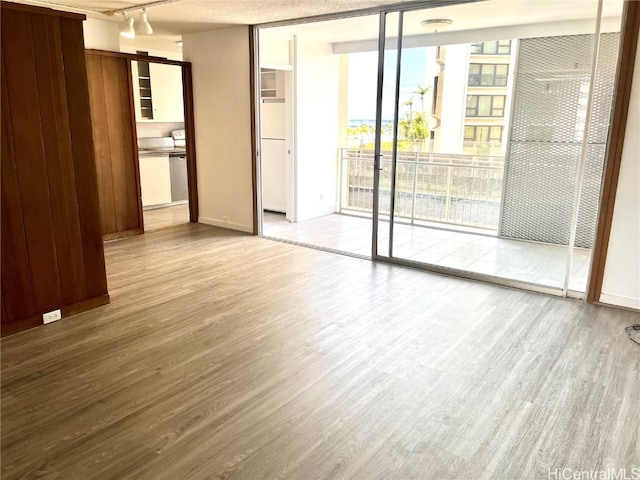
(164, 217)
(229, 356)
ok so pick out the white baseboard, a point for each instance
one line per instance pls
(229, 225)
(620, 301)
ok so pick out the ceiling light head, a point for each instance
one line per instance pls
(144, 27)
(126, 27)
(436, 24)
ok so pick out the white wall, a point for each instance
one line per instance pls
(273, 50)
(317, 72)
(131, 46)
(157, 129)
(222, 111)
(621, 284)
(454, 98)
(101, 35)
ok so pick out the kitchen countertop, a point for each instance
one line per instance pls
(154, 152)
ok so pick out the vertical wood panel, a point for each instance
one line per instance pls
(58, 152)
(131, 112)
(114, 71)
(113, 131)
(83, 155)
(52, 251)
(30, 165)
(114, 124)
(129, 140)
(17, 294)
(102, 144)
(189, 125)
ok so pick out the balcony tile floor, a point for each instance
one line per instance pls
(513, 259)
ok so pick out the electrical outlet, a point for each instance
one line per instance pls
(225, 219)
(51, 316)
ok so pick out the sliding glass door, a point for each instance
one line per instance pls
(490, 140)
(467, 139)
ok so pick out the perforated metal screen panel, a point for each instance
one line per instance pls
(547, 128)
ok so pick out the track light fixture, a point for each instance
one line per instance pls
(144, 27)
(126, 28)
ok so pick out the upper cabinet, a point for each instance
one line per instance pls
(271, 84)
(157, 92)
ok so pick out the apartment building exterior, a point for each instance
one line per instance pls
(472, 90)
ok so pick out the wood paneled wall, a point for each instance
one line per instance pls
(116, 150)
(52, 251)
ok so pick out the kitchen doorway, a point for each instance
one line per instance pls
(159, 113)
(143, 128)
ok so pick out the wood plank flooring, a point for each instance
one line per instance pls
(229, 356)
(164, 217)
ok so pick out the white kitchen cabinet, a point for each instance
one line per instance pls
(165, 91)
(271, 83)
(273, 120)
(155, 180)
(273, 158)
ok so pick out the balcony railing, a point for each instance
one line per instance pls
(463, 190)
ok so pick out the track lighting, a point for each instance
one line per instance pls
(144, 27)
(126, 28)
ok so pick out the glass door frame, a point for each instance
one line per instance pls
(383, 12)
(378, 156)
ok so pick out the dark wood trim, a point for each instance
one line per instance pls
(67, 311)
(20, 325)
(628, 47)
(133, 56)
(118, 235)
(42, 10)
(85, 305)
(254, 153)
(134, 133)
(190, 132)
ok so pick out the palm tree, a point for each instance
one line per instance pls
(409, 103)
(422, 91)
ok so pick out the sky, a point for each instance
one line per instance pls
(363, 71)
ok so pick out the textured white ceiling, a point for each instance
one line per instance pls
(188, 16)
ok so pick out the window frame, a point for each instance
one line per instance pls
(499, 44)
(493, 141)
(494, 75)
(475, 110)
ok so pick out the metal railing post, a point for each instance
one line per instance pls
(355, 169)
(415, 185)
(343, 180)
(447, 205)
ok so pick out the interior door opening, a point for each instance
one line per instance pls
(161, 136)
(142, 120)
(315, 118)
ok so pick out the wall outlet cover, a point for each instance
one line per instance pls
(51, 316)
